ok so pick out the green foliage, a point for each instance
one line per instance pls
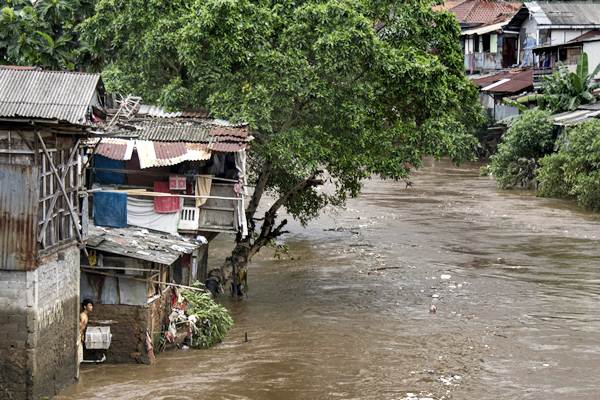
(528, 139)
(565, 90)
(214, 320)
(351, 87)
(44, 32)
(574, 170)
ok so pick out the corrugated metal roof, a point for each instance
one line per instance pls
(185, 132)
(53, 95)
(140, 244)
(161, 154)
(514, 81)
(575, 117)
(591, 36)
(565, 13)
(224, 147)
(18, 216)
(115, 149)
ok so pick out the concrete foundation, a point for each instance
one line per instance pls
(39, 318)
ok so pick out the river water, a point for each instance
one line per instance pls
(345, 315)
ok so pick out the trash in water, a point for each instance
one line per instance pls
(445, 276)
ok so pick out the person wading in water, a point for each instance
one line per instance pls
(86, 307)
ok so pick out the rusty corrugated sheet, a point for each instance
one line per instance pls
(173, 132)
(238, 132)
(515, 81)
(53, 95)
(161, 154)
(224, 147)
(169, 150)
(115, 149)
(18, 216)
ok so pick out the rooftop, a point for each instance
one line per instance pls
(26, 92)
(473, 13)
(509, 82)
(565, 13)
(140, 243)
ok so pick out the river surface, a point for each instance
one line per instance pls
(515, 279)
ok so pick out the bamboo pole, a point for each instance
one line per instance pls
(93, 271)
(139, 192)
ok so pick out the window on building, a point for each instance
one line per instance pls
(475, 43)
(486, 43)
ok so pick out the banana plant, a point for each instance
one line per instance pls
(565, 90)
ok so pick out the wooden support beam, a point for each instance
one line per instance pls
(48, 216)
(72, 212)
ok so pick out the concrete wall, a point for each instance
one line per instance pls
(593, 51)
(39, 327)
(561, 36)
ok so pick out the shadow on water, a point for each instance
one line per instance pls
(346, 315)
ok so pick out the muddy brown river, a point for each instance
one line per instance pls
(515, 279)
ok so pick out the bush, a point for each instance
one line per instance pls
(528, 139)
(213, 319)
(574, 171)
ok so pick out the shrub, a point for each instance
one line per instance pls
(528, 139)
(574, 171)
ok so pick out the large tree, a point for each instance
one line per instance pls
(333, 91)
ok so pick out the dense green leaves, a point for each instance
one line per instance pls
(565, 90)
(352, 87)
(574, 170)
(44, 33)
(527, 140)
(213, 319)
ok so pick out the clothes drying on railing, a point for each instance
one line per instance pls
(167, 204)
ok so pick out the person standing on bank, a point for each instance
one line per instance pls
(86, 308)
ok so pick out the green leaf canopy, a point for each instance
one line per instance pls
(352, 87)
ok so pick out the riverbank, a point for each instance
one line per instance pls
(516, 319)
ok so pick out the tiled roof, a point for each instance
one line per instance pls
(484, 12)
(51, 95)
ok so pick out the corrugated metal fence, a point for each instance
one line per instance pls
(18, 216)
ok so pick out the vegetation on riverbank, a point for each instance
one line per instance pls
(556, 161)
(212, 320)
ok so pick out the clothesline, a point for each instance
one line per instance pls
(150, 173)
(144, 193)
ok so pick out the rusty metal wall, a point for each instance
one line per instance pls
(18, 216)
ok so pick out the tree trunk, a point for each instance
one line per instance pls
(233, 272)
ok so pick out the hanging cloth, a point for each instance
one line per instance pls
(165, 205)
(110, 209)
(203, 185)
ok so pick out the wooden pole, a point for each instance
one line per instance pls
(55, 196)
(74, 216)
(93, 271)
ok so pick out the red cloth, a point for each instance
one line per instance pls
(165, 205)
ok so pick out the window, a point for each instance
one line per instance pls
(486, 43)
